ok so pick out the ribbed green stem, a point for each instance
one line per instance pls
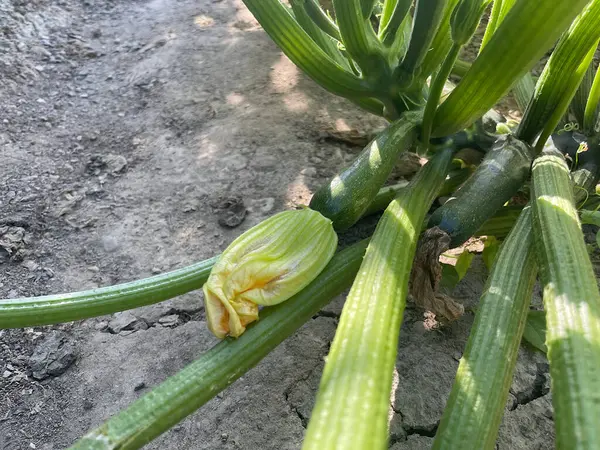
(493, 22)
(387, 10)
(435, 92)
(322, 39)
(442, 42)
(523, 91)
(562, 104)
(46, 310)
(360, 39)
(580, 99)
(591, 108)
(572, 304)
(321, 19)
(460, 68)
(476, 404)
(366, 7)
(301, 49)
(525, 86)
(563, 73)
(428, 16)
(185, 392)
(391, 21)
(530, 28)
(385, 195)
(353, 400)
(499, 11)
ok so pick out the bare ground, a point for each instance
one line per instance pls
(123, 126)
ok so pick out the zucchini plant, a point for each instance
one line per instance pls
(393, 58)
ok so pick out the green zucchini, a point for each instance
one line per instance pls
(572, 304)
(476, 403)
(348, 195)
(351, 409)
(498, 178)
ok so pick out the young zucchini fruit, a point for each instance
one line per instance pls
(572, 304)
(348, 195)
(476, 404)
(357, 378)
(502, 172)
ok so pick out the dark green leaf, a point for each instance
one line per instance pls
(535, 330)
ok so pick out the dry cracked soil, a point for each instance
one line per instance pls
(125, 126)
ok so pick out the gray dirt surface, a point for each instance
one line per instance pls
(123, 126)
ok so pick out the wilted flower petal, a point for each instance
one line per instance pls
(266, 265)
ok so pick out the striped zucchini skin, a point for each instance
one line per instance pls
(476, 403)
(502, 172)
(348, 195)
(572, 304)
(353, 400)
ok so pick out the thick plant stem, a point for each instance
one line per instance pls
(562, 105)
(460, 68)
(46, 310)
(353, 399)
(321, 19)
(196, 384)
(572, 304)
(301, 49)
(435, 92)
(389, 28)
(562, 75)
(591, 108)
(580, 100)
(476, 403)
(360, 39)
(529, 29)
(428, 15)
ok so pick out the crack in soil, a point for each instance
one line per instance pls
(423, 430)
(303, 419)
(329, 314)
(540, 387)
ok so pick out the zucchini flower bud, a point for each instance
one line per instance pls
(265, 266)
